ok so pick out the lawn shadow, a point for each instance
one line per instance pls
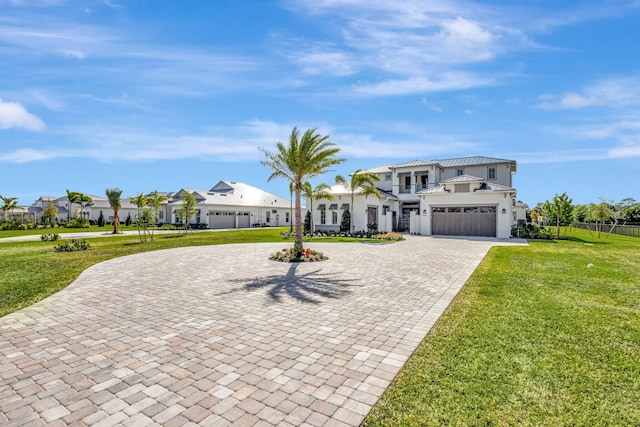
(308, 288)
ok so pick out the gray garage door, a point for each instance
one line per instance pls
(464, 221)
(244, 220)
(222, 219)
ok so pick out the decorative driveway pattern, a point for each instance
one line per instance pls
(220, 335)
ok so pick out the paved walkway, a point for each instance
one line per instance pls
(219, 335)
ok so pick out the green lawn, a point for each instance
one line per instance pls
(534, 338)
(31, 271)
(61, 230)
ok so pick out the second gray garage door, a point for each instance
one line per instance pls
(464, 221)
(222, 219)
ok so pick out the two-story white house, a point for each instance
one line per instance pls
(470, 196)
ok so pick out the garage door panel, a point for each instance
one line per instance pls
(464, 221)
(244, 220)
(222, 219)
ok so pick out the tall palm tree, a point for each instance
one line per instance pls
(363, 181)
(8, 204)
(320, 191)
(113, 194)
(72, 197)
(298, 161)
(291, 188)
(140, 201)
(83, 200)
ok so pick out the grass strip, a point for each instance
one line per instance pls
(535, 338)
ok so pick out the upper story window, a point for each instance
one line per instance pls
(459, 172)
(492, 173)
(387, 177)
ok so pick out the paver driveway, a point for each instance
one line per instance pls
(220, 335)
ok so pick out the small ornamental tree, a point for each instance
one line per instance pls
(187, 210)
(127, 221)
(49, 214)
(144, 219)
(101, 220)
(599, 213)
(345, 223)
(559, 211)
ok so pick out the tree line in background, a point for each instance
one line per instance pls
(560, 211)
(146, 218)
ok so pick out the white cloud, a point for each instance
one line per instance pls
(25, 156)
(411, 46)
(625, 151)
(561, 156)
(74, 54)
(430, 106)
(613, 92)
(14, 115)
(334, 63)
(454, 80)
(113, 5)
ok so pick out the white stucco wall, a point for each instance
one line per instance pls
(502, 201)
(503, 172)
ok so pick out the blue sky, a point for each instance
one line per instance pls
(147, 95)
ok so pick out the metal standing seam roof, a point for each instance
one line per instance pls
(445, 163)
(471, 161)
(378, 169)
(414, 163)
(462, 179)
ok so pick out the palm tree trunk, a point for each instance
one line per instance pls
(298, 238)
(116, 221)
(353, 212)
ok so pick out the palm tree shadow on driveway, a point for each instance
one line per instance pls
(308, 288)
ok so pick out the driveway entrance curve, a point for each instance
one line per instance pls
(220, 335)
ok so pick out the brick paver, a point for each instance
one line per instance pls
(220, 335)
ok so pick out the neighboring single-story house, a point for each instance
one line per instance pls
(231, 204)
(228, 204)
(469, 196)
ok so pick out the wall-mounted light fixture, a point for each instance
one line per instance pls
(504, 211)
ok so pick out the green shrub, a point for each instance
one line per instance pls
(78, 223)
(49, 237)
(73, 246)
(531, 231)
(393, 237)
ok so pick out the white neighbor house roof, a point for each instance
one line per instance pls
(233, 193)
